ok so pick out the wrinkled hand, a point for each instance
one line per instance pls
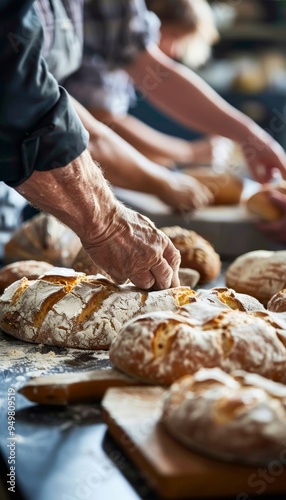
(276, 230)
(132, 247)
(185, 193)
(265, 157)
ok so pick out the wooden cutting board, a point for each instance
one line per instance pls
(132, 415)
(79, 387)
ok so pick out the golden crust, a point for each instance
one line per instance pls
(163, 346)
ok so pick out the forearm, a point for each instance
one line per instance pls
(148, 141)
(194, 103)
(123, 165)
(77, 195)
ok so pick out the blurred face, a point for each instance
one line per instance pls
(193, 45)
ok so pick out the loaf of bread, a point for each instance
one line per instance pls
(196, 252)
(260, 204)
(43, 238)
(226, 297)
(31, 269)
(260, 273)
(240, 417)
(66, 308)
(226, 188)
(159, 348)
(277, 303)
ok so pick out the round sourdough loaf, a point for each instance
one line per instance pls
(43, 238)
(277, 303)
(196, 252)
(67, 308)
(161, 347)
(260, 273)
(239, 417)
(31, 269)
(226, 188)
(260, 204)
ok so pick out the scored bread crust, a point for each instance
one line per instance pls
(239, 417)
(196, 252)
(260, 273)
(229, 298)
(163, 346)
(67, 308)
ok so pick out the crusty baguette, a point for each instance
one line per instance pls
(239, 417)
(67, 308)
(162, 346)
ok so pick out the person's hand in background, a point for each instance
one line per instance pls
(184, 192)
(264, 156)
(276, 230)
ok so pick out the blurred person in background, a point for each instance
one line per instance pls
(123, 51)
(103, 86)
(43, 146)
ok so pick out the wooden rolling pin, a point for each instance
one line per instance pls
(80, 387)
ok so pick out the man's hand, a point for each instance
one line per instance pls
(265, 157)
(131, 247)
(276, 230)
(123, 243)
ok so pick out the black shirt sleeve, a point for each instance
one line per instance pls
(39, 129)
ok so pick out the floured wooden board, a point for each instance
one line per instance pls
(80, 387)
(132, 415)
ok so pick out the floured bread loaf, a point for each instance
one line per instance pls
(43, 238)
(226, 188)
(161, 347)
(277, 303)
(239, 417)
(229, 298)
(31, 269)
(66, 308)
(260, 204)
(260, 273)
(196, 252)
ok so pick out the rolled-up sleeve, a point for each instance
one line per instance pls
(39, 129)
